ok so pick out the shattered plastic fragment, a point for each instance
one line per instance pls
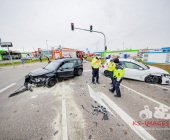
(102, 109)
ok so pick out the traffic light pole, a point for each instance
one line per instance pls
(100, 33)
(10, 57)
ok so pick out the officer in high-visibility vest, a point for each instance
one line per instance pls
(118, 76)
(85, 57)
(96, 62)
(111, 68)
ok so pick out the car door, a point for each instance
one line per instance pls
(133, 71)
(66, 70)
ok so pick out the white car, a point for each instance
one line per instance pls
(139, 71)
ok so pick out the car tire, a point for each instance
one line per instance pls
(50, 82)
(152, 79)
(160, 80)
(79, 72)
(106, 73)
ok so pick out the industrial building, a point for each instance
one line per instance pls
(120, 53)
(160, 57)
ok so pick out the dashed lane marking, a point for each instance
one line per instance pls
(145, 96)
(138, 129)
(159, 86)
(7, 87)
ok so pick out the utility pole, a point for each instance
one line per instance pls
(123, 48)
(23, 49)
(47, 47)
(10, 57)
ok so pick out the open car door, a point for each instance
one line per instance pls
(66, 70)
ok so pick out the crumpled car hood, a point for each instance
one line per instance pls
(39, 72)
(157, 70)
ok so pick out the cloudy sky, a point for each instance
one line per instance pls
(137, 23)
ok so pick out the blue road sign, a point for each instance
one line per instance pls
(22, 61)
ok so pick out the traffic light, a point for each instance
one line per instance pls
(91, 28)
(72, 26)
(105, 48)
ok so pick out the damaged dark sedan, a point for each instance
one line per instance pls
(55, 71)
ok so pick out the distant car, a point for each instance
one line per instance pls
(56, 71)
(140, 55)
(26, 58)
(139, 71)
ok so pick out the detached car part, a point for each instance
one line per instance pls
(20, 90)
(102, 109)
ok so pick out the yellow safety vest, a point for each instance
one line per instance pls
(95, 63)
(119, 73)
(111, 66)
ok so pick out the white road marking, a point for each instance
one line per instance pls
(64, 119)
(158, 86)
(97, 98)
(138, 129)
(145, 96)
(7, 87)
(87, 70)
(4, 71)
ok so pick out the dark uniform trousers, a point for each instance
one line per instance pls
(116, 85)
(95, 73)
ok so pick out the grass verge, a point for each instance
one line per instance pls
(90, 59)
(27, 61)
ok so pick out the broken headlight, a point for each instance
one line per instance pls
(39, 79)
(165, 75)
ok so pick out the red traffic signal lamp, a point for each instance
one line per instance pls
(91, 28)
(72, 26)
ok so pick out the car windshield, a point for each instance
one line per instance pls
(142, 65)
(52, 66)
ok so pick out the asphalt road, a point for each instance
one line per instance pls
(65, 111)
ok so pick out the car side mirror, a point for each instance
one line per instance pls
(140, 68)
(60, 68)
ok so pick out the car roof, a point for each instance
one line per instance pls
(66, 59)
(122, 59)
(130, 60)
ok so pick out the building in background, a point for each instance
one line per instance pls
(120, 53)
(157, 57)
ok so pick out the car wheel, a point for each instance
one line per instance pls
(106, 73)
(160, 80)
(50, 82)
(79, 73)
(151, 79)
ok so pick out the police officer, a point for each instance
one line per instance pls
(111, 67)
(96, 62)
(118, 76)
(85, 57)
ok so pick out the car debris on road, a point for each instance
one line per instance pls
(102, 109)
(20, 90)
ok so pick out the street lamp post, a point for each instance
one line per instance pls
(47, 47)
